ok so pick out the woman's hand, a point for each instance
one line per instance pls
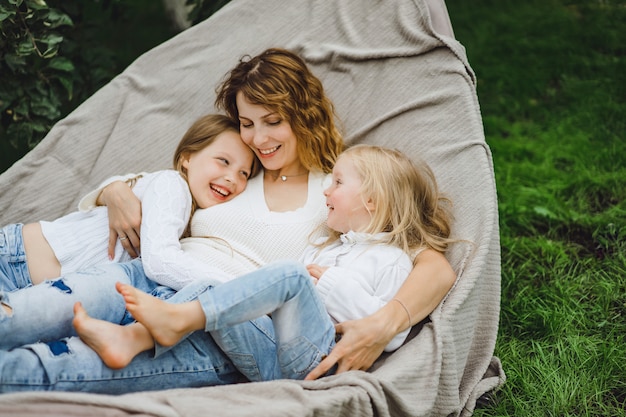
(362, 342)
(124, 209)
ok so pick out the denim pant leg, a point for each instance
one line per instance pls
(302, 325)
(255, 365)
(251, 347)
(188, 293)
(70, 365)
(14, 272)
(44, 312)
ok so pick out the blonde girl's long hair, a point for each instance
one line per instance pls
(280, 81)
(200, 135)
(408, 205)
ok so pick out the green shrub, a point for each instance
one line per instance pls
(36, 80)
(55, 54)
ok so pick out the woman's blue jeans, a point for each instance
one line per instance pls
(250, 348)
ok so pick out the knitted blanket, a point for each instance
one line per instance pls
(396, 82)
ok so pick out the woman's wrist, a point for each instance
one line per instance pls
(104, 198)
(390, 320)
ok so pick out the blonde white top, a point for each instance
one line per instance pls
(363, 276)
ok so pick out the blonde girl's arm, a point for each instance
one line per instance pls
(364, 340)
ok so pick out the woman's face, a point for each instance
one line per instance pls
(269, 136)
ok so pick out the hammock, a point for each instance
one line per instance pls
(398, 78)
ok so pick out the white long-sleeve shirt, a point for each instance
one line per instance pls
(80, 239)
(239, 236)
(363, 276)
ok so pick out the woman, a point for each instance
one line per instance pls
(363, 340)
(287, 120)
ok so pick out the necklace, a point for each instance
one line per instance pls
(285, 177)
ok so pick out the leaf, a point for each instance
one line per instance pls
(15, 63)
(61, 64)
(19, 133)
(56, 18)
(45, 107)
(52, 42)
(25, 48)
(36, 4)
(6, 13)
(68, 84)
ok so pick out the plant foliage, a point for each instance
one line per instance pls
(55, 54)
(36, 80)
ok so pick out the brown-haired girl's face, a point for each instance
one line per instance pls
(219, 171)
(269, 136)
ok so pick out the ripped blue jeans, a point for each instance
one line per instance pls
(44, 312)
(304, 334)
(236, 311)
(14, 272)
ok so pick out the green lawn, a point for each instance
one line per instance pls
(552, 87)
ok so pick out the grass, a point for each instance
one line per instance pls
(552, 87)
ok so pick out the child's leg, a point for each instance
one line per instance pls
(14, 273)
(303, 328)
(251, 347)
(284, 289)
(116, 345)
(167, 322)
(70, 365)
(44, 312)
(171, 323)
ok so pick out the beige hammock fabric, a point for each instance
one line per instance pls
(395, 82)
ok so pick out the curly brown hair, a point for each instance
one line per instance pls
(280, 80)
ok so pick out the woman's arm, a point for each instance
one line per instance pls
(124, 210)
(363, 340)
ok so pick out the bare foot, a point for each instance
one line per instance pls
(116, 345)
(165, 321)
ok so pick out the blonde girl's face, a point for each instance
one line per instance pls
(269, 136)
(348, 209)
(220, 171)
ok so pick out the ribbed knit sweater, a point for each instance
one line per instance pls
(244, 234)
(240, 235)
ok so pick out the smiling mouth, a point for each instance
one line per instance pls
(221, 191)
(269, 151)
